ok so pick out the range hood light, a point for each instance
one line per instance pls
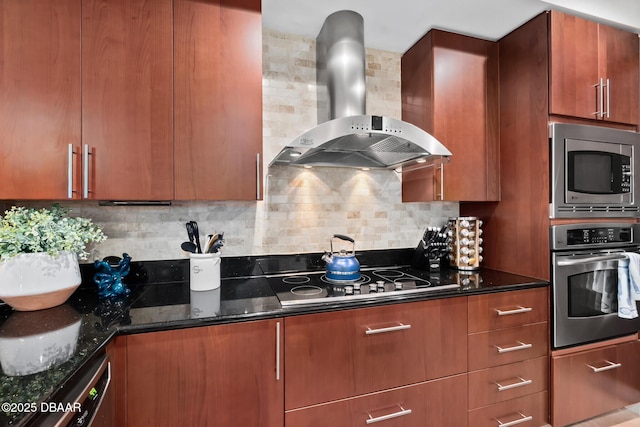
(421, 161)
(294, 153)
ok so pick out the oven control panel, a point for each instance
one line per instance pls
(598, 235)
(594, 235)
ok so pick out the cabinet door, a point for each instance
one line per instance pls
(218, 99)
(439, 403)
(573, 66)
(39, 97)
(586, 384)
(450, 89)
(619, 60)
(127, 99)
(348, 353)
(224, 375)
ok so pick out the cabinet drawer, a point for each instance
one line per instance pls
(527, 411)
(507, 382)
(418, 405)
(346, 353)
(503, 346)
(593, 382)
(507, 309)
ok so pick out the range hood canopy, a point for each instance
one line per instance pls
(346, 136)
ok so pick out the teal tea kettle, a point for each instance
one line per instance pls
(342, 266)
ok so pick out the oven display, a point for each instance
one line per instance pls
(599, 235)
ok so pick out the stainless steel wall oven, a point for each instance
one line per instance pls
(584, 261)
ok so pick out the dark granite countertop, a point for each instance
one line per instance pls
(161, 299)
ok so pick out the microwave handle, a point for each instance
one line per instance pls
(583, 260)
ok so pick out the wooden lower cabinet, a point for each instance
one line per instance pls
(342, 354)
(492, 385)
(529, 410)
(502, 346)
(439, 403)
(223, 375)
(589, 383)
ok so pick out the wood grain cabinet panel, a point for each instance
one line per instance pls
(347, 353)
(40, 114)
(450, 89)
(507, 309)
(127, 108)
(585, 55)
(509, 345)
(529, 410)
(488, 386)
(439, 403)
(590, 383)
(223, 375)
(218, 99)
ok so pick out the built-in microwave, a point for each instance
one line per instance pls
(595, 171)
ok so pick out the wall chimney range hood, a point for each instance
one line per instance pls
(346, 136)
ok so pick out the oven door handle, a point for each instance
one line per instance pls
(587, 259)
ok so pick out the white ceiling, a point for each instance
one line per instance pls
(395, 25)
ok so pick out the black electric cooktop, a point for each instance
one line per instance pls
(313, 288)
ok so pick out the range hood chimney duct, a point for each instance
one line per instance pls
(341, 68)
(346, 136)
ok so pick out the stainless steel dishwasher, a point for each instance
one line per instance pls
(87, 395)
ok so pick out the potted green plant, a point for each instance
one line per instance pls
(39, 252)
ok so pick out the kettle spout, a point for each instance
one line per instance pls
(327, 257)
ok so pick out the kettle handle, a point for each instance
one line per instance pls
(343, 237)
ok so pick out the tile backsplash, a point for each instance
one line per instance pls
(302, 208)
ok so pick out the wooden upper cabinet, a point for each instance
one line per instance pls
(127, 99)
(450, 89)
(39, 97)
(218, 99)
(594, 70)
(223, 375)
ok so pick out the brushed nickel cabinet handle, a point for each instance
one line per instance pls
(85, 171)
(524, 418)
(520, 346)
(522, 382)
(400, 413)
(610, 365)
(442, 182)
(608, 98)
(258, 177)
(70, 168)
(400, 327)
(518, 310)
(599, 100)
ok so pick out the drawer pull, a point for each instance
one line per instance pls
(400, 327)
(520, 346)
(518, 310)
(402, 412)
(524, 419)
(611, 365)
(520, 383)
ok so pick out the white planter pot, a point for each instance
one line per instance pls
(38, 281)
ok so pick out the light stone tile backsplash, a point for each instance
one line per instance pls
(302, 208)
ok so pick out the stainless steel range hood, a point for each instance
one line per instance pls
(346, 136)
